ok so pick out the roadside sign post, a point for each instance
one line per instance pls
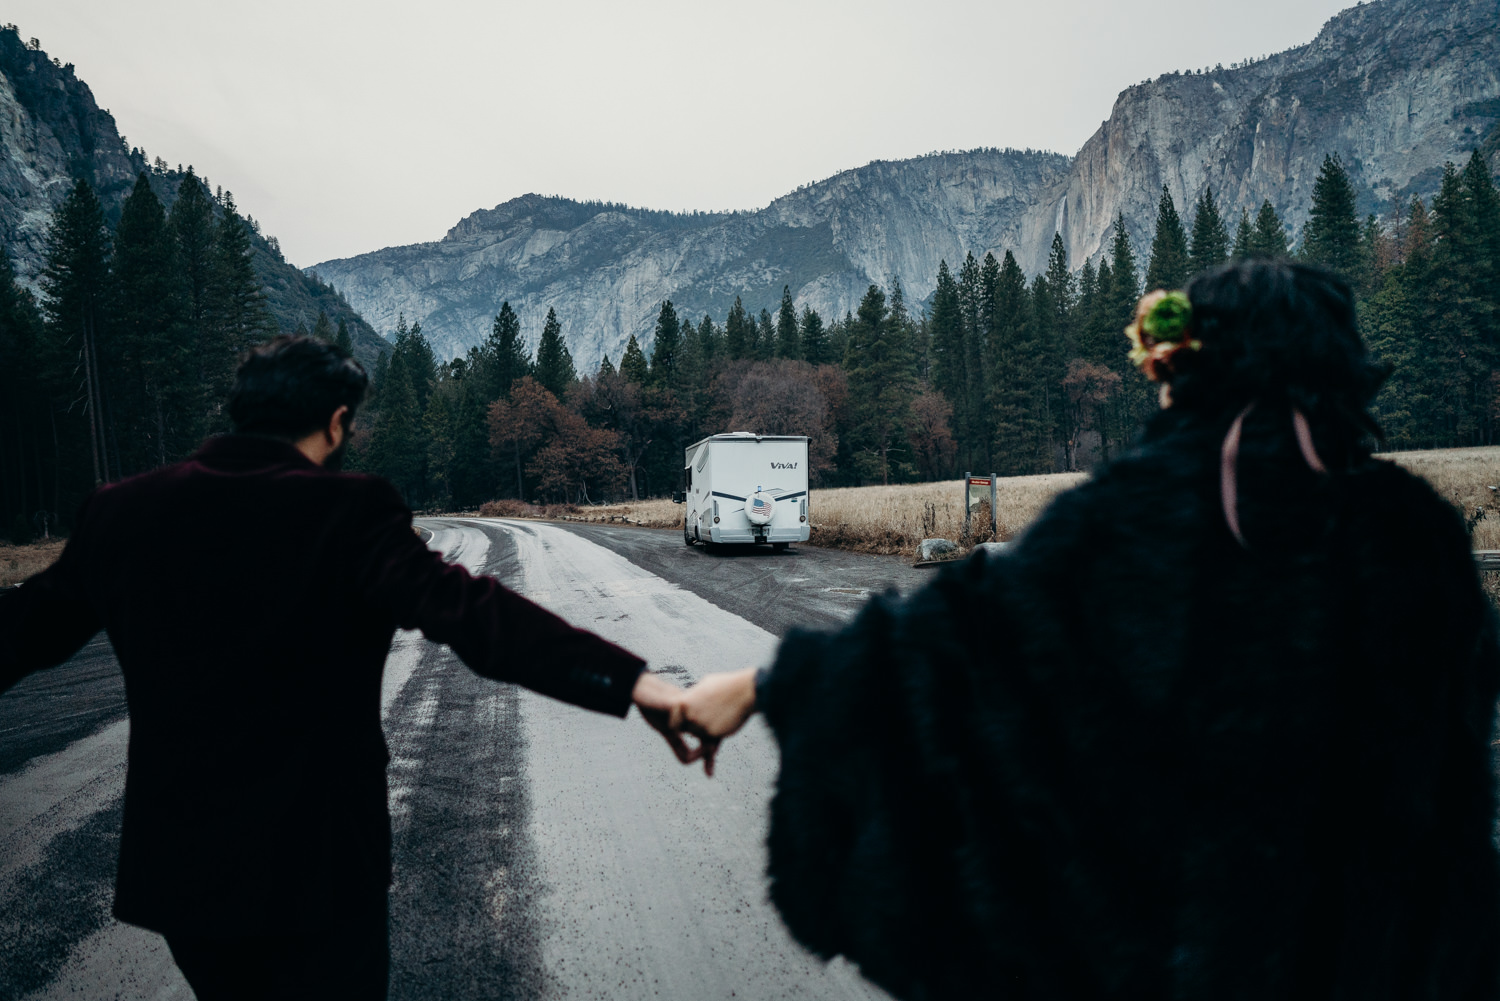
(976, 490)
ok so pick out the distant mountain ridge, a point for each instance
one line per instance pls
(1395, 87)
(53, 132)
(606, 269)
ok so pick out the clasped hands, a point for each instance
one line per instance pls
(711, 710)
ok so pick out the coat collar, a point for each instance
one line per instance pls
(244, 452)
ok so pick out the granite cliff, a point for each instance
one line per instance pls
(1395, 87)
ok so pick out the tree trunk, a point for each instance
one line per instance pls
(520, 487)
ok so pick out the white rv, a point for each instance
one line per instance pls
(744, 487)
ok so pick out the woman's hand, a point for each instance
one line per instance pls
(715, 708)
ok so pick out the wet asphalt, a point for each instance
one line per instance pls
(539, 851)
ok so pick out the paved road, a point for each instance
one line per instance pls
(540, 851)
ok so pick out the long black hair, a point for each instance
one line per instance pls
(1281, 335)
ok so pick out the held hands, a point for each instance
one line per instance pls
(711, 710)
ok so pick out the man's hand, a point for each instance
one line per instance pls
(658, 700)
(713, 709)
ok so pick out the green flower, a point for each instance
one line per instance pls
(1169, 318)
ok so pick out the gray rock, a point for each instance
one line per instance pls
(1395, 88)
(935, 549)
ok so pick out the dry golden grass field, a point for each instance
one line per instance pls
(19, 562)
(894, 519)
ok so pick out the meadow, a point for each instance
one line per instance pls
(892, 520)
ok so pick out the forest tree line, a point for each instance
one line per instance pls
(124, 362)
(1000, 373)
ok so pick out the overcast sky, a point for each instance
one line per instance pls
(344, 127)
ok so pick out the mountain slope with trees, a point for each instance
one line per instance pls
(55, 134)
(1396, 88)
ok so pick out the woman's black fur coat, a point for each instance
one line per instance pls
(1129, 759)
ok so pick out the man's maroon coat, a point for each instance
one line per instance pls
(251, 597)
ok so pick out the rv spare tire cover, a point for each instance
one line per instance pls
(759, 507)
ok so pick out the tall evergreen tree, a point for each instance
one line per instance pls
(554, 363)
(788, 337)
(878, 365)
(815, 347)
(739, 332)
(192, 224)
(1125, 281)
(322, 329)
(503, 356)
(710, 340)
(666, 348)
(75, 287)
(633, 363)
(950, 360)
(237, 307)
(1269, 237)
(342, 340)
(1168, 267)
(1062, 296)
(1210, 246)
(1244, 234)
(1332, 235)
(160, 425)
(29, 459)
(765, 336)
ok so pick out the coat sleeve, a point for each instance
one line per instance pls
(882, 831)
(48, 619)
(495, 631)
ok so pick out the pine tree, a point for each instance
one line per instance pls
(75, 287)
(950, 360)
(739, 332)
(1269, 236)
(815, 347)
(1169, 250)
(978, 444)
(503, 356)
(342, 340)
(29, 460)
(192, 224)
(1332, 235)
(666, 348)
(710, 341)
(1243, 237)
(1125, 282)
(161, 425)
(238, 307)
(606, 369)
(765, 336)
(322, 329)
(633, 363)
(878, 365)
(554, 364)
(1210, 246)
(1015, 373)
(1062, 295)
(788, 337)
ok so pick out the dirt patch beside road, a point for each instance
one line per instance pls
(20, 562)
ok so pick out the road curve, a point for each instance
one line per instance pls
(540, 851)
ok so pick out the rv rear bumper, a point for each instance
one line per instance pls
(772, 533)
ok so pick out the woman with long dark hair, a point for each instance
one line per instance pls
(1217, 726)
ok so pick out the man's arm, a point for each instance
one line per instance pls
(46, 620)
(495, 631)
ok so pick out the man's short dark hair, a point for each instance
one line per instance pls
(290, 387)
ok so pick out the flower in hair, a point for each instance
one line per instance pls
(1161, 329)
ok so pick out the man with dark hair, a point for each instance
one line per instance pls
(251, 594)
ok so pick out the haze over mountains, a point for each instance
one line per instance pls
(1395, 87)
